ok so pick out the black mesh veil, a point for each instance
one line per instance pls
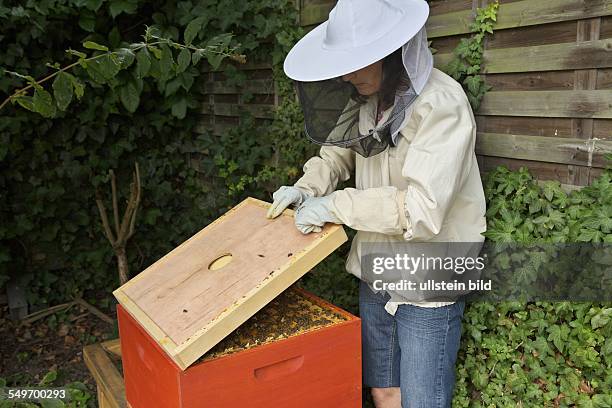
(331, 116)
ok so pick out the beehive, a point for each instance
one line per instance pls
(312, 361)
(179, 308)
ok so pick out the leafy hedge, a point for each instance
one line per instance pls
(539, 353)
(51, 235)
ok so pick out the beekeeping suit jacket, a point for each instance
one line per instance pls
(425, 189)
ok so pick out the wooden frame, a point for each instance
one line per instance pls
(109, 382)
(186, 342)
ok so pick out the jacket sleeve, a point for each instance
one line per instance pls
(437, 164)
(323, 172)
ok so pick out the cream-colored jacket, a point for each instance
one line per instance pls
(427, 188)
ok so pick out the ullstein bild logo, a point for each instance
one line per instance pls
(432, 285)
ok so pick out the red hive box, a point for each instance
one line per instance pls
(318, 368)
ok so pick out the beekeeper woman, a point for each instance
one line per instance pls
(372, 99)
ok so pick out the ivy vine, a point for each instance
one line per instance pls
(467, 56)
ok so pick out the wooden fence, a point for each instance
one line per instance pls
(549, 63)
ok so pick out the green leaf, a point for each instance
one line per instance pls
(130, 97)
(122, 6)
(93, 5)
(602, 318)
(143, 63)
(558, 335)
(166, 61)
(197, 56)
(193, 28)
(214, 59)
(184, 59)
(51, 403)
(125, 57)
(156, 51)
(87, 21)
(94, 46)
(103, 69)
(79, 54)
(49, 378)
(473, 83)
(43, 103)
(79, 88)
(62, 90)
(25, 102)
(179, 109)
(219, 42)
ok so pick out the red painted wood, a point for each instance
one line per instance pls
(151, 377)
(321, 368)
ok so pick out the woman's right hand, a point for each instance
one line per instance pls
(284, 197)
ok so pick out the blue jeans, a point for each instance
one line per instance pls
(415, 350)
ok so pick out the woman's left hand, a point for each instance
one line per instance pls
(314, 213)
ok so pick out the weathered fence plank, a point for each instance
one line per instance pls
(576, 104)
(544, 148)
(556, 57)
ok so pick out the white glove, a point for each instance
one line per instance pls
(314, 213)
(284, 197)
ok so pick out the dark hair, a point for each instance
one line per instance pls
(394, 78)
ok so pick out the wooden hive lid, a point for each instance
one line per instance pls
(188, 307)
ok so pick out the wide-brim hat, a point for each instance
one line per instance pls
(357, 34)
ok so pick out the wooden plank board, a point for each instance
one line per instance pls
(112, 346)
(539, 170)
(111, 390)
(315, 12)
(510, 15)
(555, 127)
(556, 57)
(257, 86)
(229, 109)
(576, 104)
(532, 81)
(587, 31)
(543, 148)
(520, 14)
(188, 306)
(248, 66)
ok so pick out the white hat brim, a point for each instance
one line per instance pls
(309, 61)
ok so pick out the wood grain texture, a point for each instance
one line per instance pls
(531, 81)
(188, 308)
(228, 109)
(111, 390)
(112, 346)
(543, 148)
(520, 14)
(257, 86)
(587, 30)
(556, 57)
(520, 125)
(576, 104)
